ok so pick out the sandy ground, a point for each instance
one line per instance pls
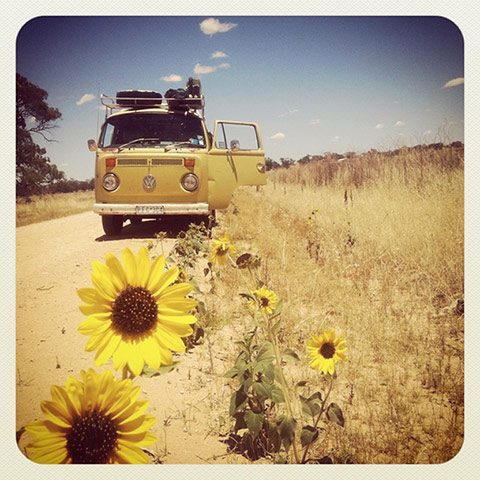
(53, 260)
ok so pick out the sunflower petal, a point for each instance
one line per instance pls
(156, 271)
(119, 278)
(167, 338)
(165, 280)
(130, 266)
(89, 295)
(130, 454)
(143, 266)
(103, 354)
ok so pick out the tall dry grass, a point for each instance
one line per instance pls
(46, 207)
(380, 258)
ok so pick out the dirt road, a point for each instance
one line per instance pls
(53, 261)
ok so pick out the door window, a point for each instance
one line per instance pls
(236, 137)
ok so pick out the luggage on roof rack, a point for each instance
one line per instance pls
(138, 98)
(186, 98)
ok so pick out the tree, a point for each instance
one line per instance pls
(34, 172)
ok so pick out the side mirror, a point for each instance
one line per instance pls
(234, 145)
(92, 145)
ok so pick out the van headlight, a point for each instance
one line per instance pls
(190, 182)
(110, 182)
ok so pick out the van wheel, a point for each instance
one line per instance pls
(112, 224)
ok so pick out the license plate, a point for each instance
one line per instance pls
(149, 209)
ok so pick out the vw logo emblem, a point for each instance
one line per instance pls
(149, 181)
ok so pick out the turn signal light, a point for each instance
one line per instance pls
(110, 162)
(189, 162)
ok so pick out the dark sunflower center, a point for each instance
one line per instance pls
(264, 302)
(92, 438)
(134, 310)
(327, 350)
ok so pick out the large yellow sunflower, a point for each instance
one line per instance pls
(96, 420)
(266, 300)
(326, 350)
(135, 314)
(220, 249)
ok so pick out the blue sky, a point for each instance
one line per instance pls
(314, 84)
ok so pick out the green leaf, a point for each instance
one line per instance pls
(262, 389)
(286, 428)
(291, 353)
(254, 422)
(243, 260)
(232, 373)
(265, 352)
(277, 395)
(334, 414)
(281, 461)
(311, 405)
(269, 372)
(237, 401)
(151, 372)
(309, 435)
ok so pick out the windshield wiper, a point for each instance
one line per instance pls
(182, 144)
(138, 140)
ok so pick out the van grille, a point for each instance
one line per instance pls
(167, 161)
(131, 161)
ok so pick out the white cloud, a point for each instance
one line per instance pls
(454, 82)
(396, 102)
(290, 112)
(336, 138)
(277, 136)
(314, 121)
(379, 126)
(218, 54)
(64, 165)
(204, 69)
(88, 97)
(172, 78)
(427, 132)
(211, 26)
(399, 124)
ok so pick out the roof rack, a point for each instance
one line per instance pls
(191, 105)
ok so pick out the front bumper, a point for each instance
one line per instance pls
(151, 208)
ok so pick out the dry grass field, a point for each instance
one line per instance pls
(46, 207)
(372, 247)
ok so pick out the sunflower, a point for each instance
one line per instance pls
(135, 314)
(265, 299)
(220, 249)
(96, 420)
(325, 351)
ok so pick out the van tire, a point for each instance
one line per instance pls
(112, 225)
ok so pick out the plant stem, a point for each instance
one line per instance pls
(322, 408)
(283, 382)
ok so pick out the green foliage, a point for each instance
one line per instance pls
(150, 372)
(34, 172)
(334, 414)
(309, 435)
(253, 403)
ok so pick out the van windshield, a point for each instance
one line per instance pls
(152, 128)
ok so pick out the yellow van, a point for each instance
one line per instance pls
(155, 157)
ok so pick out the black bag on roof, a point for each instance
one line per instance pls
(138, 98)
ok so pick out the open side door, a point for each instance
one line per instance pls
(241, 144)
